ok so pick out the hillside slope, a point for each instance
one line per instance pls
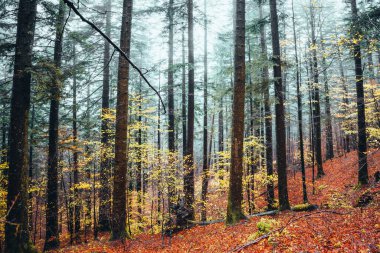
(337, 226)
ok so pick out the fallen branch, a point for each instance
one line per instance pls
(280, 230)
(122, 53)
(205, 223)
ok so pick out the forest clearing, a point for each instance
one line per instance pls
(189, 126)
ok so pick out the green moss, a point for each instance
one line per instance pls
(304, 207)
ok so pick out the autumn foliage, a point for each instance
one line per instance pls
(337, 226)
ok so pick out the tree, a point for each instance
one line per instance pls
(189, 158)
(75, 189)
(268, 112)
(52, 233)
(329, 131)
(362, 139)
(119, 216)
(105, 163)
(17, 226)
(235, 194)
(315, 96)
(205, 119)
(280, 111)
(171, 130)
(299, 105)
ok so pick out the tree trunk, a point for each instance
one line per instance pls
(17, 236)
(316, 99)
(119, 216)
(280, 112)
(299, 104)
(189, 159)
(171, 129)
(235, 194)
(52, 232)
(105, 163)
(205, 119)
(77, 200)
(268, 115)
(184, 131)
(329, 131)
(221, 137)
(362, 139)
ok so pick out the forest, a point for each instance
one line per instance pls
(189, 126)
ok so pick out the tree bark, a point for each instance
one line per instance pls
(105, 163)
(268, 114)
(362, 139)
(299, 104)
(184, 130)
(189, 159)
(171, 129)
(16, 227)
(205, 168)
(77, 200)
(119, 216)
(316, 98)
(235, 194)
(329, 130)
(280, 112)
(52, 230)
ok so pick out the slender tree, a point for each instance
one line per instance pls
(329, 130)
(268, 113)
(205, 119)
(171, 129)
(77, 205)
(119, 215)
(52, 232)
(105, 163)
(183, 102)
(280, 111)
(299, 105)
(316, 95)
(17, 227)
(235, 194)
(362, 139)
(189, 159)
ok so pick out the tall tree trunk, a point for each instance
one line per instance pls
(52, 233)
(189, 159)
(77, 200)
(252, 165)
(329, 130)
(235, 194)
(171, 130)
(119, 216)
(268, 114)
(16, 227)
(184, 131)
(299, 104)
(280, 112)
(139, 158)
(345, 100)
(221, 137)
(362, 139)
(205, 175)
(105, 162)
(316, 99)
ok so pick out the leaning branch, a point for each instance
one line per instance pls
(118, 49)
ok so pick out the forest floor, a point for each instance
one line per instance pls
(337, 226)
